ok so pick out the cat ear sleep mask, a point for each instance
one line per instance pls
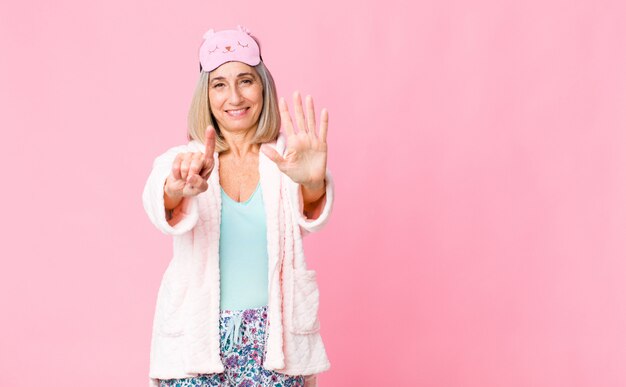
(228, 46)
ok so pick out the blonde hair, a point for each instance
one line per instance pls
(200, 115)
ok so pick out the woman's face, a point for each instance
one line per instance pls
(236, 97)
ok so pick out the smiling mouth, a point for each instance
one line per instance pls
(237, 112)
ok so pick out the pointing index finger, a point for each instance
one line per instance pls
(210, 142)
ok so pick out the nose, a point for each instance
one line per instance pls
(228, 48)
(235, 97)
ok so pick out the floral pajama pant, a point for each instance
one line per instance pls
(242, 351)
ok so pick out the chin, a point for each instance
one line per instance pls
(237, 128)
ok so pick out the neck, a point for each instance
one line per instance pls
(240, 143)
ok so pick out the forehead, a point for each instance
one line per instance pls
(231, 70)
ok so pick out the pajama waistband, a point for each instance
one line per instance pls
(232, 320)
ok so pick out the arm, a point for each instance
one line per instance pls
(315, 219)
(304, 162)
(313, 198)
(176, 209)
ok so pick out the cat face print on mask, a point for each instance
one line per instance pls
(228, 46)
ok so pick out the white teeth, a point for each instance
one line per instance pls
(236, 112)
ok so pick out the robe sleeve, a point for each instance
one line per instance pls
(153, 203)
(311, 225)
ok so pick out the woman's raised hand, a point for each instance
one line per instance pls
(191, 170)
(305, 155)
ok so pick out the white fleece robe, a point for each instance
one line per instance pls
(185, 334)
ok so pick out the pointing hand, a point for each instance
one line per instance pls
(191, 170)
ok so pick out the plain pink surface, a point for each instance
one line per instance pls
(479, 154)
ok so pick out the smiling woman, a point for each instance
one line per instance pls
(237, 304)
(236, 97)
(201, 113)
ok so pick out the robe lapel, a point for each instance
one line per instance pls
(202, 338)
(271, 185)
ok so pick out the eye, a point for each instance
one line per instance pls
(211, 51)
(247, 81)
(238, 42)
(216, 85)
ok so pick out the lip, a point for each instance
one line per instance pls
(237, 113)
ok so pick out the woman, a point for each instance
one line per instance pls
(237, 305)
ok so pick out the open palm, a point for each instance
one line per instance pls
(305, 155)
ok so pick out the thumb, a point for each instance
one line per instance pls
(273, 155)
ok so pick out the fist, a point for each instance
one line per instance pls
(191, 170)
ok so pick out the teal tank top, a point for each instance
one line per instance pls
(243, 253)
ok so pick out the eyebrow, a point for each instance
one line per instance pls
(238, 76)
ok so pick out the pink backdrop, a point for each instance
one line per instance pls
(479, 152)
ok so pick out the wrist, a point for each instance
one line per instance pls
(313, 192)
(170, 199)
(315, 186)
(313, 198)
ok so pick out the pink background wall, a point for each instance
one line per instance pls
(479, 152)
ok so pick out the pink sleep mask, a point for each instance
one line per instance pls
(228, 46)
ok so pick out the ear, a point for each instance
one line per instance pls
(209, 33)
(244, 29)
